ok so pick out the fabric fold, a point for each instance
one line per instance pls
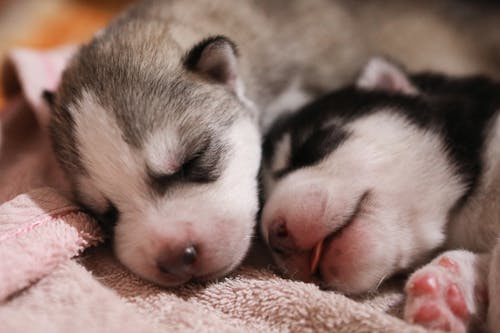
(40, 230)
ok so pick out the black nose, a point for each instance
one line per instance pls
(178, 262)
(189, 256)
(280, 239)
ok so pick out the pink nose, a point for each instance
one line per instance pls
(179, 262)
(280, 239)
(296, 217)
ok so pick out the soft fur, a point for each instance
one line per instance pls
(156, 120)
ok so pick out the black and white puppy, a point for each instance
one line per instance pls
(376, 178)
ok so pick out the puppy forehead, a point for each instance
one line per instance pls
(167, 148)
(164, 150)
(145, 98)
(98, 131)
(189, 113)
(295, 139)
(121, 172)
(316, 139)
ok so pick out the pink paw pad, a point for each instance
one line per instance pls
(427, 313)
(430, 315)
(456, 302)
(424, 285)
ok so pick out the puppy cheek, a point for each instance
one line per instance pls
(134, 246)
(229, 245)
(359, 258)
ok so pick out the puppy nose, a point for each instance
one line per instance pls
(179, 262)
(189, 255)
(281, 240)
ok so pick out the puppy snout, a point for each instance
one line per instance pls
(179, 262)
(293, 219)
(280, 239)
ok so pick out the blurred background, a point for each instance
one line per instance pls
(48, 23)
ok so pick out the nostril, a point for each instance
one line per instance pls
(280, 239)
(189, 256)
(280, 230)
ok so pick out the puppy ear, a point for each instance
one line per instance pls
(29, 73)
(215, 58)
(380, 74)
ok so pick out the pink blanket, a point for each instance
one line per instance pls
(47, 284)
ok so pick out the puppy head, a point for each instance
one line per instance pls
(163, 148)
(358, 184)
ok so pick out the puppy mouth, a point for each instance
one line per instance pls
(317, 252)
(174, 281)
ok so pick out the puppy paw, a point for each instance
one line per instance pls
(441, 295)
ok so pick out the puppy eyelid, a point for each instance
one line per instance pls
(189, 171)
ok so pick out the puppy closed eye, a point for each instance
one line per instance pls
(206, 166)
(201, 167)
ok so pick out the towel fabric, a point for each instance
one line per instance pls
(47, 284)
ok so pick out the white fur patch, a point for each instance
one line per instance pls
(162, 151)
(281, 157)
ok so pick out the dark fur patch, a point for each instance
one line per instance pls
(312, 145)
(317, 146)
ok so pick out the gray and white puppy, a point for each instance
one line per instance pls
(374, 179)
(155, 123)
(156, 119)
